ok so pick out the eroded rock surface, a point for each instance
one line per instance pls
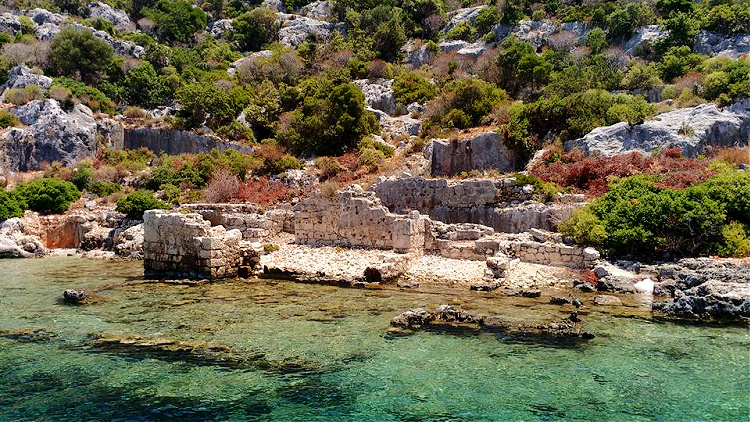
(693, 129)
(706, 289)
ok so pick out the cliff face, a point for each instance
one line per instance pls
(171, 141)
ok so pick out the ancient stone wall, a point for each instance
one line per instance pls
(484, 151)
(353, 217)
(255, 224)
(497, 203)
(185, 245)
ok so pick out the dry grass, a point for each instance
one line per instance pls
(737, 155)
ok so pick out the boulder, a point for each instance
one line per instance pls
(220, 28)
(52, 135)
(47, 31)
(465, 48)
(16, 241)
(693, 129)
(129, 242)
(9, 24)
(643, 37)
(483, 152)
(321, 10)
(710, 43)
(10, 249)
(119, 18)
(395, 127)
(74, 296)
(21, 76)
(378, 94)
(296, 29)
(43, 16)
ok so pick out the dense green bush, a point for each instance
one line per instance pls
(82, 176)
(639, 218)
(464, 102)
(331, 120)
(462, 31)
(10, 205)
(144, 87)
(519, 67)
(409, 87)
(48, 195)
(256, 28)
(211, 104)
(176, 20)
(138, 202)
(76, 50)
(103, 188)
(88, 95)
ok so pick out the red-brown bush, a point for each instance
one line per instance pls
(263, 191)
(591, 175)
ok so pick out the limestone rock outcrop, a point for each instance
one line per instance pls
(53, 134)
(642, 38)
(722, 45)
(119, 18)
(172, 141)
(17, 242)
(378, 94)
(693, 129)
(220, 28)
(706, 289)
(482, 152)
(21, 76)
(9, 24)
(296, 29)
(321, 10)
(180, 245)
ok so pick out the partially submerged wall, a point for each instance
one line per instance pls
(185, 245)
(497, 203)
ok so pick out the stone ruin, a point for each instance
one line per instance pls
(178, 245)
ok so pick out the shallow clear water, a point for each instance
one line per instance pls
(301, 352)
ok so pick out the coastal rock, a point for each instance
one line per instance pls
(722, 45)
(74, 296)
(606, 300)
(705, 289)
(75, 133)
(446, 317)
(119, 18)
(378, 94)
(692, 129)
(21, 76)
(129, 242)
(16, 241)
(482, 152)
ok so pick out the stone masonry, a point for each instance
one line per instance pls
(185, 245)
(255, 224)
(355, 218)
(498, 203)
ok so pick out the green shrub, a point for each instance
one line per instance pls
(256, 28)
(48, 195)
(585, 227)
(176, 20)
(102, 188)
(20, 96)
(270, 247)
(8, 119)
(370, 157)
(88, 95)
(10, 205)
(472, 99)
(409, 87)
(171, 193)
(280, 165)
(736, 241)
(136, 203)
(462, 31)
(328, 166)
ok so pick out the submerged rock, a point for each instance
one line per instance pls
(446, 317)
(74, 296)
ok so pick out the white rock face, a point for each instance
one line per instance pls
(396, 127)
(296, 29)
(645, 286)
(119, 18)
(21, 76)
(52, 134)
(693, 129)
(464, 48)
(378, 94)
(42, 16)
(722, 45)
(467, 15)
(129, 242)
(320, 10)
(649, 33)
(15, 242)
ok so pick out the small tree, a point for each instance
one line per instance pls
(256, 28)
(176, 20)
(77, 50)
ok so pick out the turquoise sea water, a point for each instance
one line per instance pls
(263, 350)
